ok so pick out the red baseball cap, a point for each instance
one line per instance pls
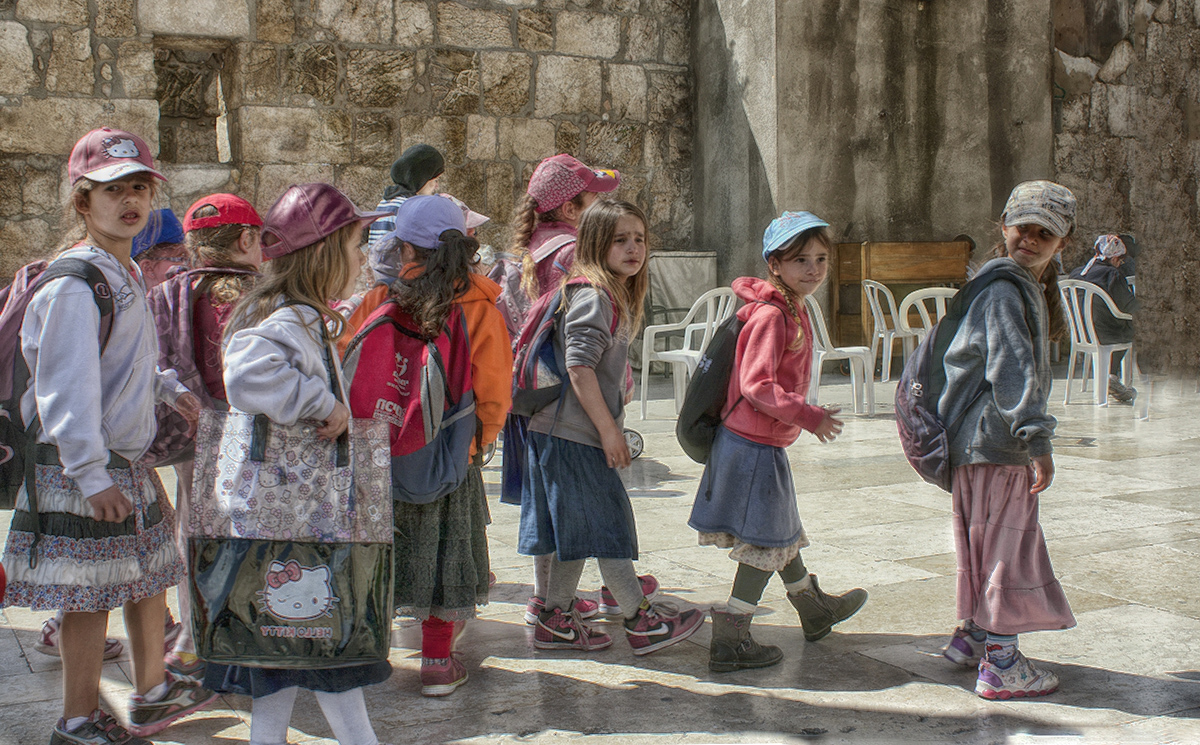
(307, 213)
(231, 210)
(559, 178)
(109, 154)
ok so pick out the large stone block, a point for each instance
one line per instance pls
(70, 12)
(1074, 75)
(135, 66)
(525, 139)
(614, 144)
(506, 82)
(71, 69)
(481, 138)
(363, 184)
(53, 125)
(535, 30)
(114, 19)
(16, 59)
(567, 85)
(1118, 62)
(501, 187)
(360, 21)
(676, 43)
(379, 78)
(278, 134)
(40, 191)
(312, 70)
(414, 24)
(588, 34)
(374, 138)
(256, 75)
(460, 26)
(627, 90)
(272, 180)
(669, 98)
(448, 135)
(641, 39)
(23, 241)
(188, 182)
(568, 138)
(466, 182)
(11, 203)
(275, 21)
(1123, 101)
(227, 19)
(454, 81)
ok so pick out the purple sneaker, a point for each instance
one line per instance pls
(1019, 680)
(963, 649)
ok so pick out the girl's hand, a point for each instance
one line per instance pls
(829, 428)
(1043, 472)
(616, 451)
(188, 406)
(110, 505)
(336, 423)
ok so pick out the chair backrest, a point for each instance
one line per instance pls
(1078, 296)
(873, 290)
(820, 331)
(930, 304)
(716, 305)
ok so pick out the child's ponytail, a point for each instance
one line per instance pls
(786, 253)
(525, 221)
(211, 247)
(429, 296)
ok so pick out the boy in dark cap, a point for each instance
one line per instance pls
(415, 172)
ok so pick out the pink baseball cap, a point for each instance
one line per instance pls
(231, 210)
(473, 218)
(307, 213)
(559, 178)
(107, 154)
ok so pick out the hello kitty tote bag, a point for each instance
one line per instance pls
(290, 543)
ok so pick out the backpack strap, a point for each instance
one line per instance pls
(551, 247)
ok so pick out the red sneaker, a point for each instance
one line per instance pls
(585, 609)
(558, 630)
(441, 677)
(608, 604)
(661, 625)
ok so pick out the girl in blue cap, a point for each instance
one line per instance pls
(746, 501)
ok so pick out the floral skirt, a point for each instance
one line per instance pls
(82, 564)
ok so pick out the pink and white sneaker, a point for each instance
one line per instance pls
(1019, 680)
(963, 649)
(47, 643)
(558, 630)
(661, 625)
(609, 605)
(585, 608)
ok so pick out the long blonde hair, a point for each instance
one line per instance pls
(310, 276)
(213, 247)
(787, 253)
(597, 229)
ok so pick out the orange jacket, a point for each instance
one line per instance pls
(491, 349)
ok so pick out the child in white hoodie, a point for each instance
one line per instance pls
(280, 361)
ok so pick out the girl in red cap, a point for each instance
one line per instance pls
(100, 534)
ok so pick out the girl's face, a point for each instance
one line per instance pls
(628, 251)
(803, 272)
(116, 211)
(1032, 246)
(354, 263)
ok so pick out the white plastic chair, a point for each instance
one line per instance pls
(885, 332)
(709, 310)
(1078, 297)
(862, 361)
(930, 304)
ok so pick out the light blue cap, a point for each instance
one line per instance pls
(786, 227)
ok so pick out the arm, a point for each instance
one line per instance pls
(761, 347)
(587, 334)
(587, 390)
(491, 369)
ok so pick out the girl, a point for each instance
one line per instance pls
(221, 233)
(573, 504)
(107, 527)
(441, 547)
(544, 227)
(1000, 448)
(746, 499)
(279, 362)
(418, 170)
(158, 249)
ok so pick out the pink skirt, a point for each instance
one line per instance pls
(1005, 582)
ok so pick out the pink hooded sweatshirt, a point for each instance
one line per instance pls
(772, 378)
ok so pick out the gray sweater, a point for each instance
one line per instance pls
(585, 338)
(994, 349)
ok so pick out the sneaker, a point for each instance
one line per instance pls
(99, 729)
(535, 606)
(47, 643)
(184, 666)
(661, 625)
(608, 604)
(1120, 391)
(1020, 680)
(171, 632)
(441, 677)
(183, 697)
(558, 630)
(963, 649)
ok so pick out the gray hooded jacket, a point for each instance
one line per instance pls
(1001, 346)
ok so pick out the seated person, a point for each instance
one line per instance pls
(1104, 270)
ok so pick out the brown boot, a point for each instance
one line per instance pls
(733, 648)
(819, 612)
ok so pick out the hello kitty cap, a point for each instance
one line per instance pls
(109, 154)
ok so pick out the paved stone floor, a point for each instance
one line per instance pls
(1123, 524)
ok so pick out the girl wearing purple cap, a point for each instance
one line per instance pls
(747, 501)
(106, 527)
(279, 358)
(998, 381)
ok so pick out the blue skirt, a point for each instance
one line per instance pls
(747, 492)
(573, 504)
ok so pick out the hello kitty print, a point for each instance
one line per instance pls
(297, 593)
(119, 147)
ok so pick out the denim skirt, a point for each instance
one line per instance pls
(747, 492)
(573, 504)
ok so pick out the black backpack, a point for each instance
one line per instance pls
(700, 414)
(923, 435)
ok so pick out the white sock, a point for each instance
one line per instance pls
(156, 693)
(346, 713)
(801, 584)
(740, 607)
(74, 723)
(269, 717)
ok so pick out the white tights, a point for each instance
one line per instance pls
(346, 713)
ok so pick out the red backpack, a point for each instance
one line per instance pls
(421, 387)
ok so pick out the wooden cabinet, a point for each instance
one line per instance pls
(903, 267)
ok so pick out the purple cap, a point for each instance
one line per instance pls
(106, 154)
(307, 213)
(422, 220)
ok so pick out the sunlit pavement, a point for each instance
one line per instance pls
(1123, 524)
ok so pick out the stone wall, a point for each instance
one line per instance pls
(251, 95)
(1127, 141)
